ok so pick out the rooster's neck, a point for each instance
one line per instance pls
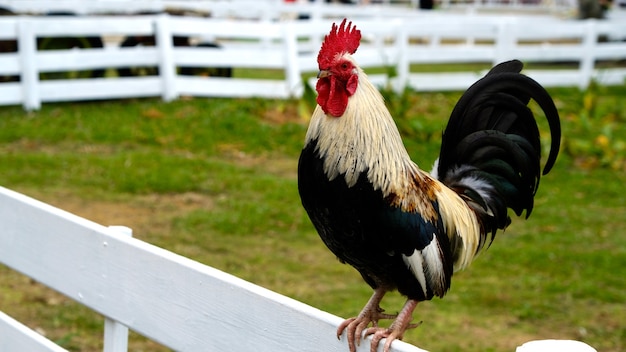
(364, 139)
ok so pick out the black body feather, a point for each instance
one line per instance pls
(361, 228)
(492, 136)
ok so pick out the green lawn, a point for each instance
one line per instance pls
(215, 180)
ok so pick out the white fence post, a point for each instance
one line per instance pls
(293, 76)
(115, 333)
(505, 41)
(587, 61)
(115, 336)
(27, 47)
(403, 67)
(165, 47)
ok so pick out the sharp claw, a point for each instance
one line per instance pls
(359, 331)
(378, 335)
(350, 335)
(414, 325)
(354, 328)
(388, 343)
(343, 326)
(371, 313)
(376, 341)
(394, 332)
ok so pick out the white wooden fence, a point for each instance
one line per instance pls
(276, 9)
(175, 301)
(290, 48)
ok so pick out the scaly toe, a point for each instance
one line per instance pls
(378, 335)
(343, 326)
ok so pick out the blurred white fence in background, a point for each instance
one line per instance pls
(276, 9)
(577, 52)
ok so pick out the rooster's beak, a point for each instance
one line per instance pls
(323, 73)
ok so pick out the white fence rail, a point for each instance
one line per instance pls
(277, 9)
(289, 48)
(180, 303)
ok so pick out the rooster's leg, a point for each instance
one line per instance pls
(397, 328)
(371, 313)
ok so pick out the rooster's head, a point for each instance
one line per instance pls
(338, 76)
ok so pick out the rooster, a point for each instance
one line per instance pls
(400, 227)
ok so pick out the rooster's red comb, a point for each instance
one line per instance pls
(340, 39)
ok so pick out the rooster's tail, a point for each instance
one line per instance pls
(491, 149)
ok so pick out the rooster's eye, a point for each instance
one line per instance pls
(344, 66)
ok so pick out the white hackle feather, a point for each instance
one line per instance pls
(379, 149)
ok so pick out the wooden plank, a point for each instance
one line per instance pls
(614, 76)
(451, 54)
(228, 87)
(443, 81)
(10, 93)
(610, 51)
(99, 88)
(548, 53)
(248, 57)
(242, 9)
(555, 78)
(225, 28)
(60, 26)
(8, 28)
(9, 64)
(614, 29)
(376, 57)
(180, 303)
(548, 30)
(86, 59)
(453, 28)
(16, 336)
(83, 7)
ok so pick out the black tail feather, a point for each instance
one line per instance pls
(491, 145)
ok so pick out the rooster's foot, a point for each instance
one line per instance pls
(390, 335)
(396, 330)
(354, 326)
(371, 313)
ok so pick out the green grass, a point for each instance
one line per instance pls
(215, 180)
